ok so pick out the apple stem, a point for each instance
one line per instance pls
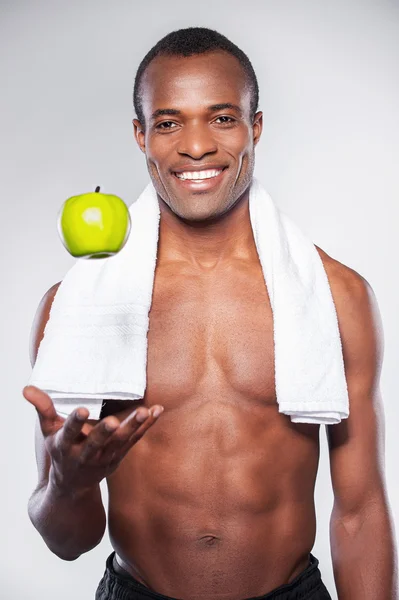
(97, 189)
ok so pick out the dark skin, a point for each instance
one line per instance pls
(216, 496)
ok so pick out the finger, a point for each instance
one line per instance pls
(109, 437)
(98, 437)
(131, 430)
(138, 418)
(43, 404)
(129, 425)
(72, 429)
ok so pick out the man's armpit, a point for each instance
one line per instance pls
(113, 407)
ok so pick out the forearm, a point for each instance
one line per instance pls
(364, 556)
(69, 523)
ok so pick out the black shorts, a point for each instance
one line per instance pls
(306, 586)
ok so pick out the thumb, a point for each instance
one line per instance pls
(45, 408)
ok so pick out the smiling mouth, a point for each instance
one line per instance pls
(199, 176)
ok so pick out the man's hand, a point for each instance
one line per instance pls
(83, 454)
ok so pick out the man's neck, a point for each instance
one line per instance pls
(207, 247)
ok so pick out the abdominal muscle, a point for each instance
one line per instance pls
(216, 500)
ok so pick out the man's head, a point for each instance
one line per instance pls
(196, 97)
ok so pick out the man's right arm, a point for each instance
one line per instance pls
(71, 523)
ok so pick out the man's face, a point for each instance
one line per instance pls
(197, 124)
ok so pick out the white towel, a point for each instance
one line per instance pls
(95, 341)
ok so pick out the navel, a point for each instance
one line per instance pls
(209, 540)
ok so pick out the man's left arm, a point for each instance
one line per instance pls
(362, 533)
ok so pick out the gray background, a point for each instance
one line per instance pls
(328, 75)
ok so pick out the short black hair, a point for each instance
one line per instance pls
(189, 42)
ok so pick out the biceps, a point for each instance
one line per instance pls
(356, 447)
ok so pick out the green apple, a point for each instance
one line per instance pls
(94, 225)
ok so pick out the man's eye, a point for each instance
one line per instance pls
(166, 125)
(225, 119)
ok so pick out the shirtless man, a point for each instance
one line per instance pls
(215, 498)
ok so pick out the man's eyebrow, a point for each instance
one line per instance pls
(165, 111)
(216, 107)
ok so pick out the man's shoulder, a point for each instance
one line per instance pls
(349, 288)
(358, 315)
(40, 319)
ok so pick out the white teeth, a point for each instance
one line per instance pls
(199, 174)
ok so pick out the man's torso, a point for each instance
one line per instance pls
(218, 496)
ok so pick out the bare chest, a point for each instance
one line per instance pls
(210, 334)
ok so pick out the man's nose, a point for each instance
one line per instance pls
(196, 141)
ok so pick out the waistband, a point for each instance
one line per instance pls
(309, 580)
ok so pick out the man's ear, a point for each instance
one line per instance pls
(257, 126)
(139, 134)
